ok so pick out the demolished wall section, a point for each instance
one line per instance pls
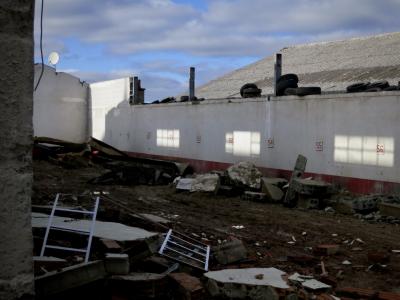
(104, 97)
(342, 135)
(60, 108)
(16, 89)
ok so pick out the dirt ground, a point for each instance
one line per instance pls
(267, 227)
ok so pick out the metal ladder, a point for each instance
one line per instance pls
(89, 233)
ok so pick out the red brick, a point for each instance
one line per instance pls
(326, 250)
(189, 287)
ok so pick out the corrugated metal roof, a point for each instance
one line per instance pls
(330, 65)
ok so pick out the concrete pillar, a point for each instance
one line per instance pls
(277, 70)
(16, 94)
(191, 84)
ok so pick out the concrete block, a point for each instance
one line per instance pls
(146, 285)
(189, 287)
(389, 209)
(310, 187)
(271, 191)
(49, 263)
(230, 252)
(68, 278)
(117, 263)
(111, 246)
(253, 283)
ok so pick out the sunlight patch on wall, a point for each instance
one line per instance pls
(168, 138)
(243, 143)
(364, 150)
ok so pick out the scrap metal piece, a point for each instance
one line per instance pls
(184, 249)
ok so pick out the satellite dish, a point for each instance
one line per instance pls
(53, 58)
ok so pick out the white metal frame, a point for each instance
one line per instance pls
(64, 228)
(173, 243)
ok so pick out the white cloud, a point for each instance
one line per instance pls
(226, 29)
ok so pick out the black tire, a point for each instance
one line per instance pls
(308, 90)
(247, 86)
(252, 92)
(374, 89)
(357, 87)
(184, 98)
(383, 84)
(168, 100)
(283, 85)
(291, 91)
(303, 91)
(289, 76)
(392, 88)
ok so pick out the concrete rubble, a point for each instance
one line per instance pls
(245, 174)
(205, 183)
(128, 261)
(253, 283)
(271, 189)
(230, 252)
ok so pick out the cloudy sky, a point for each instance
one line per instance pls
(158, 40)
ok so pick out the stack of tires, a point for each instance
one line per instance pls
(250, 90)
(372, 87)
(287, 84)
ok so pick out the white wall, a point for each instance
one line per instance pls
(60, 106)
(105, 96)
(357, 123)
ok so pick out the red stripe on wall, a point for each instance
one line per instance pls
(354, 185)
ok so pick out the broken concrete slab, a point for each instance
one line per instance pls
(254, 283)
(105, 230)
(68, 278)
(188, 287)
(276, 181)
(272, 192)
(315, 285)
(205, 183)
(230, 252)
(117, 264)
(245, 174)
(389, 209)
(184, 184)
(310, 187)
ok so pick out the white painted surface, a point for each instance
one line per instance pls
(60, 106)
(104, 230)
(106, 96)
(252, 276)
(310, 126)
